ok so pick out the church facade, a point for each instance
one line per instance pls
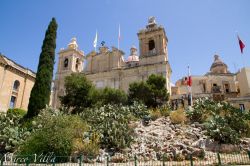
(108, 68)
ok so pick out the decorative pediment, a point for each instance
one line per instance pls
(3, 61)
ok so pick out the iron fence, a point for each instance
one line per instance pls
(208, 159)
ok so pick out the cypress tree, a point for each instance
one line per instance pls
(40, 93)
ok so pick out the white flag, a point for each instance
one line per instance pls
(95, 41)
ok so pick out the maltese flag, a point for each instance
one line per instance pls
(242, 45)
(189, 81)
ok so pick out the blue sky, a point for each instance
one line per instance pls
(196, 29)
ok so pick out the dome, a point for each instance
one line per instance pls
(218, 66)
(133, 55)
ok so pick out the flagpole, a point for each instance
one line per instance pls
(95, 41)
(190, 87)
(119, 33)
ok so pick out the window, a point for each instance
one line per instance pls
(66, 63)
(226, 86)
(16, 85)
(77, 63)
(151, 45)
(242, 107)
(204, 87)
(12, 102)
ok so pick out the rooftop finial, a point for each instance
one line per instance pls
(216, 57)
(151, 20)
(133, 50)
(73, 43)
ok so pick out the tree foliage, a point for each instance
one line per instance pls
(153, 92)
(108, 95)
(40, 93)
(80, 93)
(77, 93)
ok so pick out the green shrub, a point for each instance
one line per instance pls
(17, 111)
(161, 111)
(178, 116)
(219, 130)
(11, 132)
(224, 123)
(202, 110)
(112, 122)
(88, 146)
(138, 110)
(165, 110)
(247, 132)
(154, 114)
(59, 135)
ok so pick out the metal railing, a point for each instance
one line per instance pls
(138, 160)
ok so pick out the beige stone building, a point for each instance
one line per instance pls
(107, 68)
(218, 84)
(16, 83)
(243, 99)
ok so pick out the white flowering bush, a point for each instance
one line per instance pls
(12, 134)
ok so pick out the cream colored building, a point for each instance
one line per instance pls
(218, 84)
(16, 83)
(243, 100)
(107, 68)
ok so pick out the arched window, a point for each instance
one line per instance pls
(77, 63)
(16, 85)
(151, 45)
(66, 63)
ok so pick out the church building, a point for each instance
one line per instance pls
(218, 84)
(108, 68)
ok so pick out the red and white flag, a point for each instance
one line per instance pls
(242, 45)
(189, 81)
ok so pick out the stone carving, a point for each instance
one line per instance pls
(151, 20)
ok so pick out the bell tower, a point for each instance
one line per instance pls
(71, 60)
(152, 43)
(153, 51)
